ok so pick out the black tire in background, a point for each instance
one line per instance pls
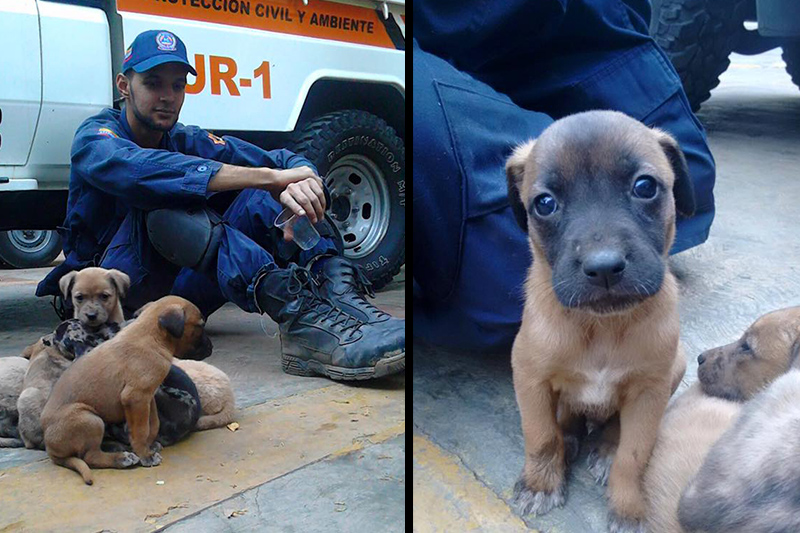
(364, 165)
(791, 56)
(29, 248)
(698, 36)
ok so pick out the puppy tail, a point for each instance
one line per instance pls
(77, 465)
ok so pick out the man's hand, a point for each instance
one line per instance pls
(300, 190)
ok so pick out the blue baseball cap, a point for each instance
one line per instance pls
(155, 47)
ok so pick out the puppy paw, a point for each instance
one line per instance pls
(618, 524)
(600, 466)
(528, 501)
(156, 447)
(127, 459)
(153, 460)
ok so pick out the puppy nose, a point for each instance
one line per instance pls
(701, 359)
(604, 268)
(91, 316)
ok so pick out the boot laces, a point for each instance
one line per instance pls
(317, 306)
(361, 285)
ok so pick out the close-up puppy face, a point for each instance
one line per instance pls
(739, 370)
(184, 322)
(95, 293)
(595, 194)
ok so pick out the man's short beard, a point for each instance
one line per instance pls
(147, 121)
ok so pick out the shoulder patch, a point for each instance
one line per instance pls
(107, 132)
(217, 140)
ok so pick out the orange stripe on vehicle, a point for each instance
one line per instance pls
(324, 20)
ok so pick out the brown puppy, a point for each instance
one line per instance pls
(697, 420)
(691, 425)
(96, 295)
(215, 391)
(739, 370)
(116, 382)
(599, 332)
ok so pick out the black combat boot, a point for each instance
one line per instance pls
(346, 285)
(318, 338)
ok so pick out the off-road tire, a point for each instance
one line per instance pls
(698, 36)
(353, 133)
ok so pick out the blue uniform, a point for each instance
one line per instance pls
(114, 182)
(487, 76)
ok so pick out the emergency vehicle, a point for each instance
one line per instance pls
(322, 78)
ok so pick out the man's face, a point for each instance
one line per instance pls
(156, 96)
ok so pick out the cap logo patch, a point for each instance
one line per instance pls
(166, 42)
(128, 53)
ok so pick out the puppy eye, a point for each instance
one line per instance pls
(104, 297)
(79, 298)
(645, 188)
(545, 205)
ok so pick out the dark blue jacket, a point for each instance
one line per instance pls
(111, 175)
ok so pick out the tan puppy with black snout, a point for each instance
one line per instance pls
(597, 193)
(116, 382)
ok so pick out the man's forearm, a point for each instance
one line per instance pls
(235, 178)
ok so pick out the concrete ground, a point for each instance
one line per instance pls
(310, 454)
(468, 446)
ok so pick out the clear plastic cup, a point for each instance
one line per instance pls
(302, 231)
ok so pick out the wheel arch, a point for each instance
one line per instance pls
(385, 99)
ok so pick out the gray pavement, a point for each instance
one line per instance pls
(310, 455)
(464, 405)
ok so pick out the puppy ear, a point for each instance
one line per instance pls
(173, 320)
(120, 280)
(682, 189)
(515, 170)
(66, 282)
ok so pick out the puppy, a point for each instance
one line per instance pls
(96, 295)
(739, 370)
(12, 373)
(216, 393)
(117, 381)
(729, 375)
(178, 405)
(691, 425)
(749, 481)
(597, 193)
